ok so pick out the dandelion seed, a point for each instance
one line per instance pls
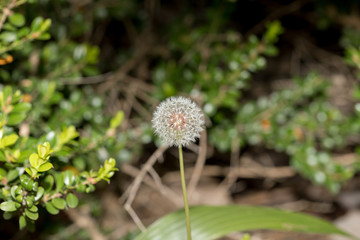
(178, 121)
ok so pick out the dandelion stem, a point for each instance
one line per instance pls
(183, 185)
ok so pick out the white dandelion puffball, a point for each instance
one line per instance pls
(178, 121)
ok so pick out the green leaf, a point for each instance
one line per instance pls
(36, 24)
(2, 156)
(21, 107)
(67, 135)
(44, 36)
(33, 209)
(39, 193)
(51, 209)
(72, 200)
(117, 120)
(31, 171)
(69, 178)
(58, 203)
(23, 32)
(12, 175)
(8, 36)
(10, 27)
(44, 150)
(44, 167)
(16, 118)
(17, 19)
(8, 140)
(22, 222)
(45, 25)
(8, 206)
(59, 180)
(2, 173)
(213, 222)
(34, 160)
(31, 215)
(13, 191)
(7, 215)
(48, 182)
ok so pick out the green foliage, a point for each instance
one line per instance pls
(31, 179)
(298, 121)
(53, 134)
(213, 222)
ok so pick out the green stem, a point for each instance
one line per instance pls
(183, 185)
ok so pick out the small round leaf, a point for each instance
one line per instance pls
(8, 206)
(58, 203)
(72, 200)
(31, 215)
(51, 209)
(17, 19)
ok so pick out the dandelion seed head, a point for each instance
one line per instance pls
(178, 121)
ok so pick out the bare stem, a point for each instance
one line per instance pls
(183, 185)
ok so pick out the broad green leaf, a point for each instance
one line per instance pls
(44, 167)
(31, 171)
(117, 120)
(31, 215)
(59, 180)
(69, 178)
(21, 107)
(213, 222)
(7, 215)
(72, 200)
(22, 222)
(7, 92)
(8, 36)
(16, 118)
(51, 209)
(39, 193)
(17, 19)
(34, 160)
(36, 24)
(12, 175)
(48, 182)
(8, 206)
(44, 36)
(8, 140)
(33, 209)
(13, 191)
(58, 203)
(45, 25)
(9, 27)
(67, 134)
(2, 173)
(44, 150)
(2, 156)
(22, 32)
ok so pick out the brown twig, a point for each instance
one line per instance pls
(134, 187)
(6, 12)
(240, 172)
(200, 163)
(234, 164)
(85, 221)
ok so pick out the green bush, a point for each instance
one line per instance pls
(55, 126)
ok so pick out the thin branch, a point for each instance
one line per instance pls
(234, 164)
(200, 163)
(134, 187)
(6, 12)
(163, 189)
(85, 221)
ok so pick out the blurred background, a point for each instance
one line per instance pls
(278, 81)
